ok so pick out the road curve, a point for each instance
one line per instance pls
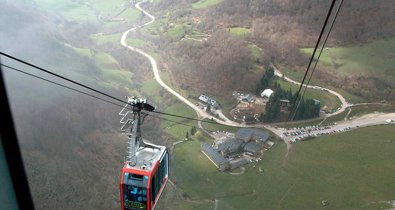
(201, 113)
(343, 101)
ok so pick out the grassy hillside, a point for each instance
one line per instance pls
(336, 168)
(205, 3)
(373, 58)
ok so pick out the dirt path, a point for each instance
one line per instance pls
(225, 121)
(343, 101)
(242, 170)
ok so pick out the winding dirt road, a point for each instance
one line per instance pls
(202, 114)
(343, 101)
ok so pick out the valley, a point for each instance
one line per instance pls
(133, 61)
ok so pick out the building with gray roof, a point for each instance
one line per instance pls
(237, 163)
(248, 98)
(248, 134)
(216, 158)
(209, 101)
(252, 148)
(229, 146)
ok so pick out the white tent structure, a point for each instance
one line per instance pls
(267, 93)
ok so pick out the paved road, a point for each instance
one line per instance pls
(366, 120)
(378, 119)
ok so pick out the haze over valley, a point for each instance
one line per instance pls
(216, 61)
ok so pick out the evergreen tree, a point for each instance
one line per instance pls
(193, 131)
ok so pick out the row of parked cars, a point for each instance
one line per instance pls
(312, 135)
(304, 130)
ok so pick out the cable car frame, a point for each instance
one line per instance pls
(146, 168)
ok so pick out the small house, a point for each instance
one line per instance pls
(267, 93)
(247, 98)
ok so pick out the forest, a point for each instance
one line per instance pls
(279, 28)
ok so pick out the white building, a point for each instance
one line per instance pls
(267, 93)
(209, 100)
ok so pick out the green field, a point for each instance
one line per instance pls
(176, 32)
(111, 73)
(205, 3)
(369, 108)
(372, 58)
(91, 11)
(135, 42)
(352, 170)
(255, 51)
(103, 39)
(69, 9)
(328, 101)
(239, 31)
(178, 131)
(218, 127)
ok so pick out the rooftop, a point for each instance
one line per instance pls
(146, 156)
(267, 93)
(248, 98)
(213, 155)
(252, 147)
(247, 134)
(229, 145)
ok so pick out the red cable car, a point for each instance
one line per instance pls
(146, 169)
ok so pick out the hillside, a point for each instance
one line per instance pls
(280, 29)
(72, 147)
(71, 143)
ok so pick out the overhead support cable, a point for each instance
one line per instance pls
(99, 92)
(61, 85)
(319, 55)
(60, 76)
(298, 98)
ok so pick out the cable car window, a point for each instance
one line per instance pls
(134, 191)
(159, 178)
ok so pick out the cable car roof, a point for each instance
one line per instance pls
(146, 156)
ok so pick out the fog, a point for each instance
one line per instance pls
(71, 145)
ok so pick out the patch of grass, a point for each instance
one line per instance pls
(112, 75)
(107, 7)
(90, 10)
(300, 124)
(69, 9)
(295, 75)
(205, 3)
(117, 77)
(325, 59)
(83, 51)
(370, 108)
(227, 104)
(371, 58)
(336, 118)
(255, 51)
(239, 31)
(218, 127)
(103, 39)
(104, 59)
(135, 42)
(178, 131)
(177, 32)
(132, 15)
(328, 101)
(152, 89)
(350, 170)
(349, 97)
